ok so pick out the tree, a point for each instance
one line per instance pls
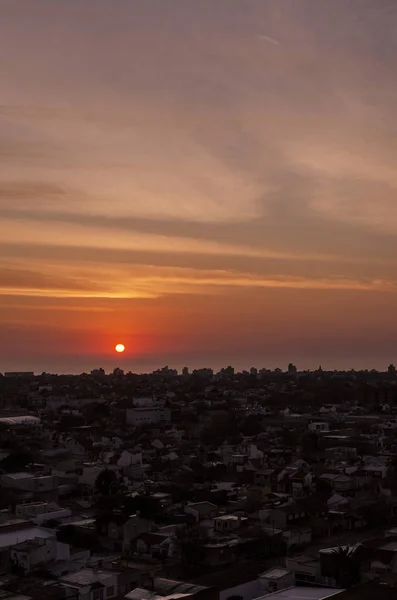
(347, 566)
(16, 461)
(189, 540)
(107, 483)
(251, 426)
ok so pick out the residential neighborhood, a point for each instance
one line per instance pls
(215, 486)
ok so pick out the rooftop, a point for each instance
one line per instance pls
(275, 573)
(22, 420)
(303, 593)
(12, 538)
(21, 475)
(86, 577)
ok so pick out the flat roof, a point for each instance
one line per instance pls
(12, 538)
(303, 593)
(22, 420)
(392, 546)
(344, 546)
(275, 573)
(86, 577)
(21, 475)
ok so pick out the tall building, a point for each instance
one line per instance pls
(292, 369)
(98, 372)
(117, 372)
(19, 374)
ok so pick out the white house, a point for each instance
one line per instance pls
(276, 579)
(39, 512)
(319, 426)
(38, 552)
(92, 584)
(139, 416)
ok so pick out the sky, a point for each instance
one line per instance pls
(208, 183)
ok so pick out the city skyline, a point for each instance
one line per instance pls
(205, 183)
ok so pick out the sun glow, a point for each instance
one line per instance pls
(120, 348)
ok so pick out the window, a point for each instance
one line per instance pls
(110, 591)
(97, 594)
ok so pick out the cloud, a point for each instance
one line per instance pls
(224, 153)
(148, 281)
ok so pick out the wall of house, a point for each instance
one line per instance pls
(133, 528)
(62, 513)
(247, 591)
(297, 567)
(89, 475)
(36, 556)
(128, 459)
(300, 538)
(147, 416)
(278, 519)
(281, 583)
(319, 426)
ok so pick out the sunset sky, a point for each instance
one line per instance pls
(209, 182)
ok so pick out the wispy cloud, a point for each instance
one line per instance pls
(217, 152)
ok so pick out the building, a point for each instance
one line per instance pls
(92, 584)
(40, 512)
(225, 523)
(159, 588)
(319, 427)
(37, 553)
(303, 593)
(45, 487)
(117, 532)
(19, 421)
(19, 374)
(16, 531)
(151, 415)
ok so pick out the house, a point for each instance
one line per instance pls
(163, 499)
(132, 572)
(298, 536)
(319, 427)
(139, 416)
(158, 588)
(218, 551)
(299, 482)
(264, 477)
(284, 516)
(89, 475)
(341, 483)
(45, 487)
(91, 584)
(15, 531)
(116, 531)
(40, 512)
(303, 593)
(37, 553)
(276, 579)
(155, 545)
(306, 569)
(202, 510)
(126, 459)
(225, 523)
(33, 588)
